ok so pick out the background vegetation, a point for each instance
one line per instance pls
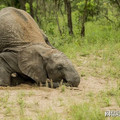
(87, 29)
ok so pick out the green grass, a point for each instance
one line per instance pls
(21, 104)
(48, 115)
(4, 98)
(63, 88)
(86, 111)
(105, 97)
(92, 110)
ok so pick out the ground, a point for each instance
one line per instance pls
(25, 102)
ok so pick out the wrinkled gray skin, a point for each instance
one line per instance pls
(25, 50)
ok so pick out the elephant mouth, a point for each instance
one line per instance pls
(72, 82)
(65, 82)
(56, 83)
(61, 82)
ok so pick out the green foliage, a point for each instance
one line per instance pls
(92, 7)
(27, 7)
(2, 6)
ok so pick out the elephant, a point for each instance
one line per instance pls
(26, 53)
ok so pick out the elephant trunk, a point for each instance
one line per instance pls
(72, 80)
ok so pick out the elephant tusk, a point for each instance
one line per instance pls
(14, 75)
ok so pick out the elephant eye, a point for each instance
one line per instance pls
(59, 67)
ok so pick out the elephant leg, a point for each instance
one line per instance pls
(4, 73)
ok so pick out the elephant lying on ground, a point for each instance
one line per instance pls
(26, 51)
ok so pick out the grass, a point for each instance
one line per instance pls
(117, 98)
(49, 115)
(105, 97)
(86, 111)
(4, 98)
(21, 104)
(8, 111)
(92, 110)
(31, 93)
(63, 88)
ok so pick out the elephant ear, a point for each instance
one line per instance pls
(31, 64)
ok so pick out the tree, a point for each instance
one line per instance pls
(84, 19)
(56, 13)
(22, 4)
(31, 8)
(69, 16)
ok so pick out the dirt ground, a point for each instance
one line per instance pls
(36, 100)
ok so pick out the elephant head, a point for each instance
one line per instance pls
(40, 62)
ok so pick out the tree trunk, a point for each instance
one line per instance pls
(69, 16)
(56, 9)
(22, 4)
(36, 12)
(31, 8)
(44, 6)
(84, 18)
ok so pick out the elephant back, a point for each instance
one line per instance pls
(18, 28)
